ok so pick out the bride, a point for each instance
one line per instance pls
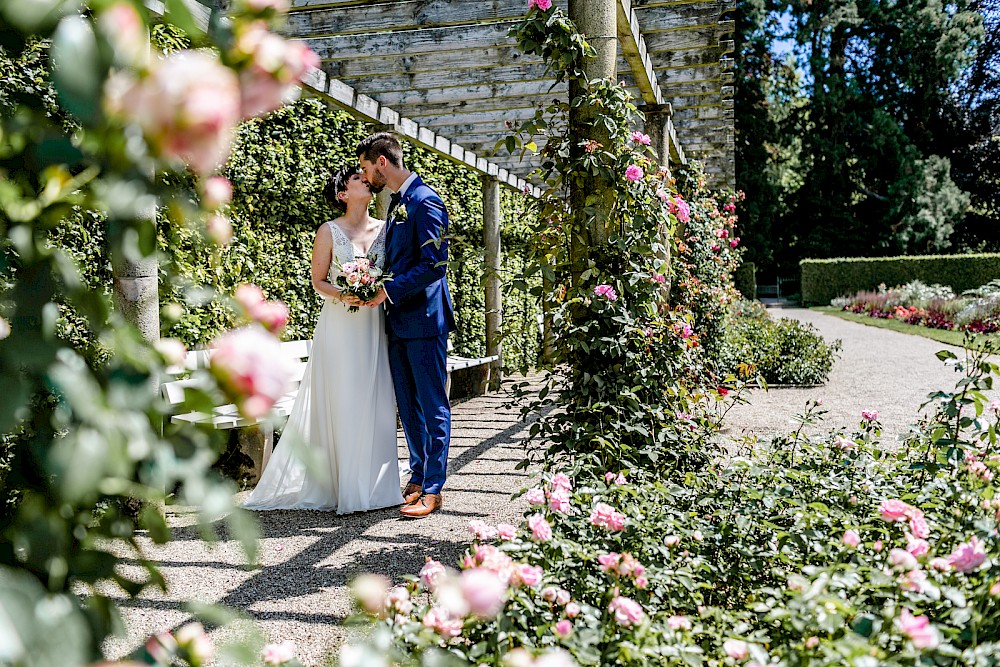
(338, 450)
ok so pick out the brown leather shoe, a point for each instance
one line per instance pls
(411, 493)
(429, 502)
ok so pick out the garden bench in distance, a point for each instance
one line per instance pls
(257, 438)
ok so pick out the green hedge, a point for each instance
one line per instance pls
(826, 279)
(745, 280)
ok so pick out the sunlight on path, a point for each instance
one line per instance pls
(308, 558)
(878, 369)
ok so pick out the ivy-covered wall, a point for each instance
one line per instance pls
(278, 169)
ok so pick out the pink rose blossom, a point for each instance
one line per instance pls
(543, 5)
(894, 510)
(370, 591)
(851, 539)
(563, 628)
(734, 242)
(278, 654)
(529, 575)
(994, 405)
(968, 555)
(562, 481)
(609, 562)
(736, 649)
(812, 642)
(540, 528)
(659, 278)
(123, 27)
(193, 640)
(276, 67)
(605, 516)
(620, 479)
(940, 564)
(606, 291)
(995, 589)
(902, 559)
(877, 546)
(559, 501)
(627, 612)
(563, 597)
(671, 541)
(869, 415)
(918, 547)
(641, 582)
(918, 629)
(680, 209)
(398, 599)
(219, 229)
(253, 368)
(216, 192)
(506, 531)
(609, 477)
(442, 622)
(918, 526)
(484, 591)
(549, 593)
(172, 350)
(679, 623)
(572, 610)
(432, 574)
(482, 530)
(535, 496)
(640, 138)
(633, 172)
(187, 107)
(914, 580)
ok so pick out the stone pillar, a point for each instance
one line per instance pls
(657, 127)
(136, 292)
(491, 270)
(597, 19)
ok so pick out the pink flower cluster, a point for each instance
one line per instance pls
(611, 478)
(633, 172)
(679, 623)
(272, 315)
(627, 612)
(252, 368)
(640, 138)
(625, 566)
(273, 67)
(605, 516)
(680, 209)
(278, 654)
(897, 511)
(543, 5)
(918, 629)
(540, 528)
(869, 415)
(967, 556)
(607, 291)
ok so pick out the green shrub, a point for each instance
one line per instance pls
(745, 279)
(826, 279)
(783, 351)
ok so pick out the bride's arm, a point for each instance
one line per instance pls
(321, 258)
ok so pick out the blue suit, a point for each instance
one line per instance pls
(419, 316)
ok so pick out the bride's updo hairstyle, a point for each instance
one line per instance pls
(337, 184)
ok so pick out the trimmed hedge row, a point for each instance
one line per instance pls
(827, 279)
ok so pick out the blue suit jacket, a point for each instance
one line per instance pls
(419, 303)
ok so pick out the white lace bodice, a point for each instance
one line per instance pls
(345, 251)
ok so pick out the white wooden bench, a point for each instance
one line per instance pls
(258, 440)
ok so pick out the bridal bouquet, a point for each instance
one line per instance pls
(361, 278)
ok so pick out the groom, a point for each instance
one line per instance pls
(418, 316)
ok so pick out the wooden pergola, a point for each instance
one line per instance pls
(445, 75)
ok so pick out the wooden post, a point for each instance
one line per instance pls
(658, 129)
(597, 19)
(491, 269)
(382, 204)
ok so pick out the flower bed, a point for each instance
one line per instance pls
(832, 551)
(932, 306)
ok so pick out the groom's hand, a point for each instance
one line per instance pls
(377, 299)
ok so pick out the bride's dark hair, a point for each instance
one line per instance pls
(337, 184)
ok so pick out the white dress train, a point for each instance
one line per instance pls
(344, 416)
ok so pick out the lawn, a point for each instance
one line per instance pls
(940, 335)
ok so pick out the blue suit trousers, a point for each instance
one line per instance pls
(419, 376)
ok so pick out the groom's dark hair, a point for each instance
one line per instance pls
(337, 184)
(381, 144)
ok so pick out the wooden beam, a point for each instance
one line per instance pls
(701, 113)
(405, 43)
(518, 74)
(482, 58)
(698, 37)
(632, 44)
(421, 110)
(370, 110)
(407, 15)
(672, 90)
(688, 16)
(485, 118)
(474, 92)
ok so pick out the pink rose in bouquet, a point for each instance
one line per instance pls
(361, 278)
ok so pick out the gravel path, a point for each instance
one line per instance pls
(878, 369)
(308, 558)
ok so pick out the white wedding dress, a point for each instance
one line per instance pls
(338, 449)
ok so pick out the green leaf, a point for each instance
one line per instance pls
(179, 14)
(77, 68)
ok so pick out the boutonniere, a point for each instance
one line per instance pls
(399, 215)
